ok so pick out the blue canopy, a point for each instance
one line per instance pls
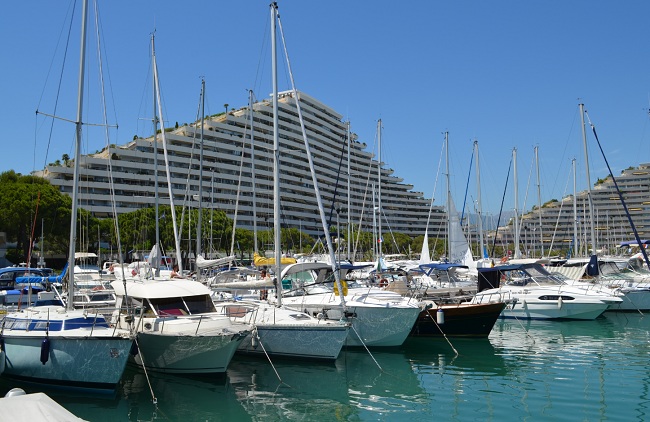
(634, 243)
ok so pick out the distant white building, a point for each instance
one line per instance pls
(226, 139)
(559, 224)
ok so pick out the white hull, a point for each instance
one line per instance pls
(541, 303)
(282, 332)
(373, 324)
(83, 352)
(322, 342)
(633, 300)
(186, 354)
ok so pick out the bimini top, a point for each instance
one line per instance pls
(160, 289)
(440, 266)
(634, 243)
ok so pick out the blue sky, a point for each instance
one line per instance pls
(509, 74)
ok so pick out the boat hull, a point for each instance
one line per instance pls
(376, 326)
(461, 320)
(87, 362)
(318, 342)
(186, 354)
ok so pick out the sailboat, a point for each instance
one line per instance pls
(51, 344)
(178, 328)
(447, 310)
(379, 317)
(277, 330)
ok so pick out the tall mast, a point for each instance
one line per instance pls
(478, 189)
(253, 178)
(169, 180)
(276, 155)
(379, 239)
(448, 197)
(589, 198)
(75, 180)
(349, 199)
(575, 210)
(539, 204)
(200, 216)
(154, 144)
(517, 252)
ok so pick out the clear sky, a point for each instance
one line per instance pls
(509, 74)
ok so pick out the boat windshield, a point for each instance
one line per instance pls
(531, 275)
(190, 305)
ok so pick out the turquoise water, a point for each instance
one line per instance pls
(579, 370)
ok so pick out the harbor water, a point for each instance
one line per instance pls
(526, 370)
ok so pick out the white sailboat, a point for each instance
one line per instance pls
(63, 346)
(277, 330)
(378, 317)
(178, 328)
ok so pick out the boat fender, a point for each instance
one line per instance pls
(524, 304)
(440, 316)
(559, 302)
(254, 339)
(45, 350)
(2, 345)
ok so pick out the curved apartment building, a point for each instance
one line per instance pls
(227, 149)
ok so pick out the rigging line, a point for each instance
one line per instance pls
(58, 91)
(239, 181)
(99, 29)
(365, 197)
(336, 185)
(435, 186)
(503, 198)
(469, 174)
(620, 194)
(311, 164)
(557, 221)
(530, 176)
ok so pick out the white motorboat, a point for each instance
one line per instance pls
(531, 292)
(178, 328)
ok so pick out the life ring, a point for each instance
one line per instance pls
(383, 282)
(504, 259)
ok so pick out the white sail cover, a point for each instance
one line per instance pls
(459, 248)
(207, 263)
(154, 257)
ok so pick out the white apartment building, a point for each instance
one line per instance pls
(559, 223)
(227, 153)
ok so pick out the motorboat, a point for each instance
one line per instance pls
(178, 328)
(534, 293)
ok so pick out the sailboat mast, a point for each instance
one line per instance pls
(539, 204)
(154, 143)
(169, 180)
(575, 210)
(380, 238)
(276, 155)
(75, 180)
(200, 216)
(253, 177)
(478, 189)
(589, 198)
(349, 198)
(448, 198)
(517, 252)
